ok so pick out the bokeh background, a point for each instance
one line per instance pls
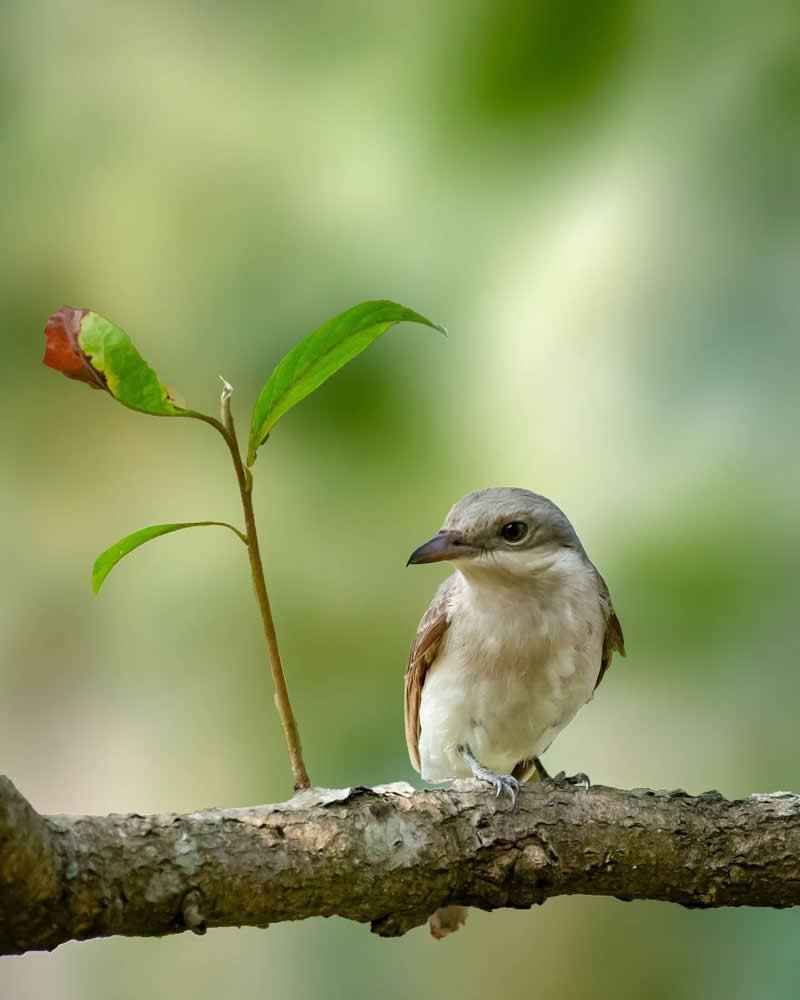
(600, 202)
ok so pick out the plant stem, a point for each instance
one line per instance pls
(282, 702)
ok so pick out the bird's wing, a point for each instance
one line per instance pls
(613, 641)
(424, 649)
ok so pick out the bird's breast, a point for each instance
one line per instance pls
(510, 674)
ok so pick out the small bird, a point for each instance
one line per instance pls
(512, 645)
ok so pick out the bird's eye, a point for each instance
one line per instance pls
(514, 531)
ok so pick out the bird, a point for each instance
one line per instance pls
(512, 645)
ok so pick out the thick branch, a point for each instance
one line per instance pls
(387, 855)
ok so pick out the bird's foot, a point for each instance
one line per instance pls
(501, 783)
(580, 779)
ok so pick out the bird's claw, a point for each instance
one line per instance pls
(505, 784)
(561, 778)
(580, 779)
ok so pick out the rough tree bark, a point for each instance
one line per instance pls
(388, 855)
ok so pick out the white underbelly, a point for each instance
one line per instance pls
(505, 714)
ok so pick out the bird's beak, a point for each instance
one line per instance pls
(444, 547)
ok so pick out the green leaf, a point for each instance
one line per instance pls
(107, 560)
(128, 376)
(317, 357)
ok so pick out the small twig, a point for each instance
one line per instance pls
(282, 702)
(226, 428)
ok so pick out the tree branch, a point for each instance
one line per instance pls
(388, 855)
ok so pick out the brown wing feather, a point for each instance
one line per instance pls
(613, 641)
(424, 649)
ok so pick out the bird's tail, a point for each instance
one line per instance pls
(447, 920)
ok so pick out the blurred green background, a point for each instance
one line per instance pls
(600, 202)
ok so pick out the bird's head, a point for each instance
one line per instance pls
(502, 530)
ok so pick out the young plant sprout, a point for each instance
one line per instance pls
(85, 346)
